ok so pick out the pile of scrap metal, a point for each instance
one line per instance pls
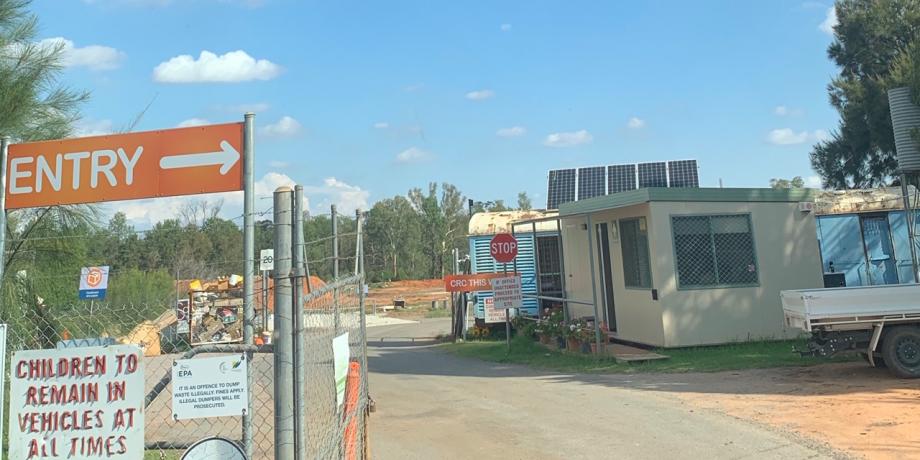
(216, 310)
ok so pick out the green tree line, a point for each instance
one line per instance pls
(876, 48)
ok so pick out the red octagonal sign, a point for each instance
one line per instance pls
(503, 248)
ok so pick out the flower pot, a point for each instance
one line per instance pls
(573, 344)
(545, 339)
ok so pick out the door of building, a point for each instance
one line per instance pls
(882, 266)
(603, 256)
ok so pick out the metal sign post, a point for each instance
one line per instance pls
(249, 266)
(4, 149)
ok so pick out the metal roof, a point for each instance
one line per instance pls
(491, 223)
(724, 195)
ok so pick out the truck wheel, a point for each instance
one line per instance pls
(901, 351)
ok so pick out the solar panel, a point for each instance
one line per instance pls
(652, 174)
(683, 173)
(561, 188)
(567, 185)
(621, 178)
(592, 182)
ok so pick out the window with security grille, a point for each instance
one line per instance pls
(549, 266)
(637, 271)
(714, 251)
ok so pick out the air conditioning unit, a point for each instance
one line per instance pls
(807, 206)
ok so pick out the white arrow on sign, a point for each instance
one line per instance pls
(227, 157)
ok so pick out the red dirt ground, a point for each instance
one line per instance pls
(851, 407)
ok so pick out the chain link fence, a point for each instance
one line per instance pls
(332, 429)
(335, 427)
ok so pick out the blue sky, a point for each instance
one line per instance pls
(359, 101)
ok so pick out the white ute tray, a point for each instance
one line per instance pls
(849, 304)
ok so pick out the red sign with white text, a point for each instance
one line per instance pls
(181, 161)
(504, 247)
(471, 283)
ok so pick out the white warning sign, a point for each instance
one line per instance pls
(209, 387)
(77, 403)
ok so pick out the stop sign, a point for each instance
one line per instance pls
(503, 248)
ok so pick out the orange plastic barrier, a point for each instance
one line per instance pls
(352, 390)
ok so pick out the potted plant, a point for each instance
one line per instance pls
(588, 339)
(571, 334)
(550, 328)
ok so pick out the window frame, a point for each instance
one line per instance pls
(709, 216)
(648, 251)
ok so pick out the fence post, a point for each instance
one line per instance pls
(249, 269)
(362, 280)
(455, 298)
(283, 334)
(591, 255)
(335, 266)
(300, 438)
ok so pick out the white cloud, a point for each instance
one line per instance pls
(813, 182)
(505, 27)
(278, 164)
(514, 131)
(414, 87)
(635, 123)
(285, 127)
(787, 136)
(830, 20)
(412, 155)
(93, 57)
(145, 213)
(569, 139)
(346, 197)
(232, 67)
(480, 95)
(89, 127)
(192, 122)
(381, 125)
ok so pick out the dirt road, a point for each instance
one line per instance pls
(434, 405)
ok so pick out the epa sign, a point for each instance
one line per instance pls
(182, 161)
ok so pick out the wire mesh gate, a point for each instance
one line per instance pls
(331, 429)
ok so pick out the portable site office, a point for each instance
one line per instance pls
(681, 267)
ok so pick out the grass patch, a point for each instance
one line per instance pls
(439, 313)
(750, 355)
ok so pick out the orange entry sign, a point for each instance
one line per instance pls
(182, 161)
(470, 283)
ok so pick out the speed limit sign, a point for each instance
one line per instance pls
(267, 259)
